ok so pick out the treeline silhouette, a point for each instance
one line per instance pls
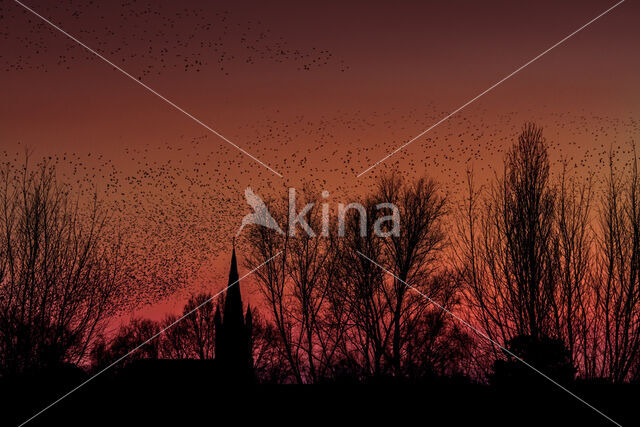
(545, 267)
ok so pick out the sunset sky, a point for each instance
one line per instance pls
(318, 92)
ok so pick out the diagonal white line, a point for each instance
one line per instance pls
(489, 89)
(177, 107)
(145, 343)
(485, 336)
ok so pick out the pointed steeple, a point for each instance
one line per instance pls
(233, 331)
(233, 313)
(233, 270)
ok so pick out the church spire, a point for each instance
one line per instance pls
(233, 271)
(233, 301)
(233, 335)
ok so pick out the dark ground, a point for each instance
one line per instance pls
(192, 397)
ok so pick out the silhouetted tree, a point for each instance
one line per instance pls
(573, 302)
(411, 254)
(508, 246)
(616, 339)
(394, 329)
(175, 342)
(59, 276)
(265, 244)
(128, 337)
(360, 291)
(193, 337)
(548, 355)
(296, 287)
(534, 265)
(268, 362)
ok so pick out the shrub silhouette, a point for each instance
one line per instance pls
(548, 355)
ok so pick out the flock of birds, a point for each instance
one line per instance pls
(148, 38)
(180, 202)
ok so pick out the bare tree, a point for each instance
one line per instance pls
(128, 337)
(297, 289)
(508, 249)
(268, 362)
(59, 274)
(360, 289)
(572, 303)
(174, 342)
(394, 329)
(264, 244)
(617, 279)
(412, 253)
(194, 336)
(311, 270)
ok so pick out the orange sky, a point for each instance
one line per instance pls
(378, 74)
